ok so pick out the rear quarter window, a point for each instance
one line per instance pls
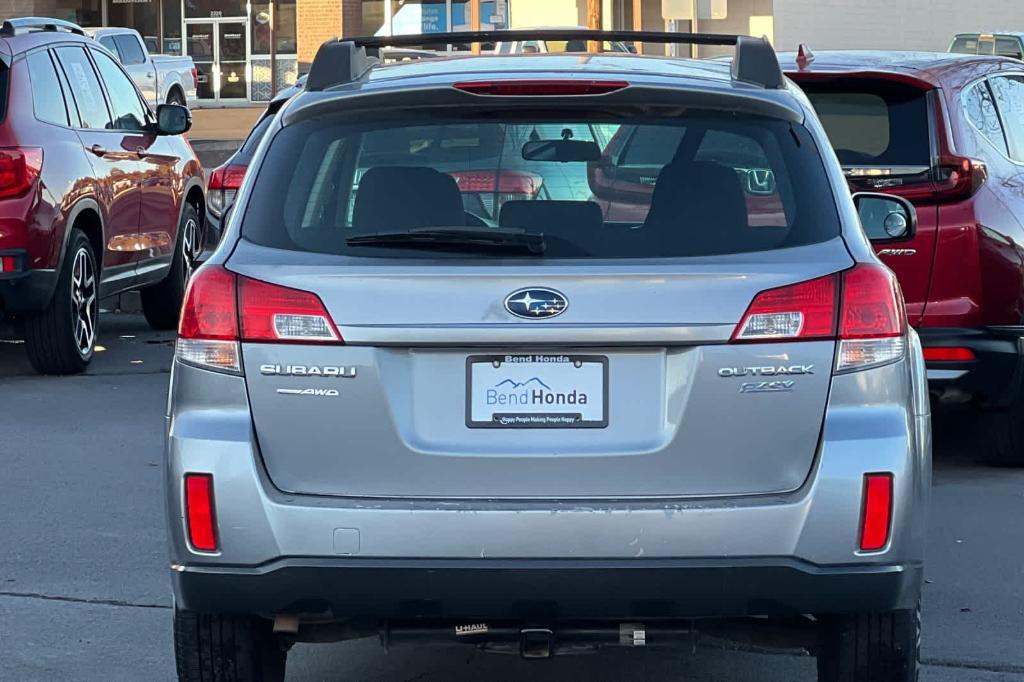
(47, 97)
(664, 187)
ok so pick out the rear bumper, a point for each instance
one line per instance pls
(994, 378)
(536, 591)
(25, 291)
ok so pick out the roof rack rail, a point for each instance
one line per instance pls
(13, 27)
(343, 61)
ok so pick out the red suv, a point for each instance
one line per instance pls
(945, 131)
(98, 194)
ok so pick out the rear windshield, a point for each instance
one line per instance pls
(873, 123)
(965, 44)
(613, 187)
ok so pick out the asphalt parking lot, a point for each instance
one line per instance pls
(84, 591)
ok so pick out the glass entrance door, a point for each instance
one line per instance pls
(233, 59)
(199, 44)
(220, 50)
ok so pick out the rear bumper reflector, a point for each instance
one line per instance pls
(877, 518)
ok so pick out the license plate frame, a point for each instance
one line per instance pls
(537, 418)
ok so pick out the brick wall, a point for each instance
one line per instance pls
(885, 24)
(11, 9)
(320, 20)
(316, 21)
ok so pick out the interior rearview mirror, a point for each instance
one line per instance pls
(173, 119)
(562, 151)
(885, 217)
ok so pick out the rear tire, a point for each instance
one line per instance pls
(175, 97)
(61, 338)
(161, 303)
(870, 647)
(1004, 437)
(226, 648)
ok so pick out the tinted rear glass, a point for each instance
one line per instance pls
(686, 186)
(248, 147)
(873, 123)
(965, 45)
(1009, 47)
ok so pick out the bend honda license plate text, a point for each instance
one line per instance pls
(537, 391)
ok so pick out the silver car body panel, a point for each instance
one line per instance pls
(210, 430)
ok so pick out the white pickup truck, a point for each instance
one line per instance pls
(161, 78)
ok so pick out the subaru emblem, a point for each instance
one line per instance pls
(536, 303)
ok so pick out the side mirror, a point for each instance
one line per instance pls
(885, 217)
(173, 119)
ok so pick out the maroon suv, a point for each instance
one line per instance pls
(947, 132)
(98, 194)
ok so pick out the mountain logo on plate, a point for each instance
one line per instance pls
(536, 303)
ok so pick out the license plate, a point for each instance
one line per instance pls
(537, 391)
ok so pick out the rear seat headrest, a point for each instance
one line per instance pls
(407, 197)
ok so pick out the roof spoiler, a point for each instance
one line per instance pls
(339, 62)
(13, 27)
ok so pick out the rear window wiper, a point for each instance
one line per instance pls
(476, 238)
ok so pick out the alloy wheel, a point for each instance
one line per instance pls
(84, 302)
(190, 248)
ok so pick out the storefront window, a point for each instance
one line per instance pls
(284, 28)
(82, 12)
(418, 16)
(493, 15)
(142, 16)
(172, 27)
(373, 18)
(214, 9)
(436, 16)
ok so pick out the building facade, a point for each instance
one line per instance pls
(234, 43)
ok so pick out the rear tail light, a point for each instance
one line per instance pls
(949, 354)
(959, 178)
(494, 188)
(540, 88)
(195, 76)
(208, 330)
(877, 512)
(222, 187)
(274, 313)
(19, 168)
(861, 308)
(8, 264)
(801, 311)
(202, 524)
(872, 320)
(222, 309)
(953, 178)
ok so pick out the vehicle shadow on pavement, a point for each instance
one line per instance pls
(126, 345)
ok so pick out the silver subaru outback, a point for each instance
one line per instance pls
(542, 354)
